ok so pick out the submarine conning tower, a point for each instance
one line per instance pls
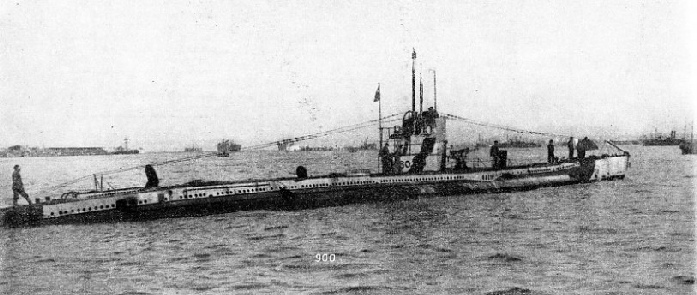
(419, 143)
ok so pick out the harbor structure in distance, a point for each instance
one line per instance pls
(27, 151)
(365, 146)
(193, 148)
(658, 139)
(123, 150)
(226, 147)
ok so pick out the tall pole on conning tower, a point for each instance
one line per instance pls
(413, 81)
(377, 97)
(435, 100)
(421, 95)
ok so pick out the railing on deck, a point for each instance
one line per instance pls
(478, 163)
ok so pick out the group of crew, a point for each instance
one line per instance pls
(498, 156)
(583, 145)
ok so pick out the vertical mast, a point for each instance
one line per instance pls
(435, 101)
(421, 95)
(377, 98)
(379, 117)
(413, 81)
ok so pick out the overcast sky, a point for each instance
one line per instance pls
(168, 74)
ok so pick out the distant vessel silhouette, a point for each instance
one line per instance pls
(123, 150)
(660, 140)
(226, 147)
(193, 149)
(518, 143)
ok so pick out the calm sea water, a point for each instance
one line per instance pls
(635, 236)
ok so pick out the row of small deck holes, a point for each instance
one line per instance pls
(263, 189)
(355, 182)
(245, 191)
(326, 185)
(388, 180)
(541, 170)
(321, 185)
(313, 185)
(101, 207)
(425, 179)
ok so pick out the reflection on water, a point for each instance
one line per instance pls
(627, 237)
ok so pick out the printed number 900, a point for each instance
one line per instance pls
(325, 257)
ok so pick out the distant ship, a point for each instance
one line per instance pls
(509, 143)
(627, 142)
(308, 148)
(659, 140)
(193, 149)
(123, 150)
(365, 146)
(226, 147)
(516, 143)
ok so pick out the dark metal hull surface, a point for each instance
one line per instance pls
(295, 194)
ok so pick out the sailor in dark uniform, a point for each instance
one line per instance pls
(582, 147)
(386, 159)
(18, 187)
(571, 146)
(396, 159)
(494, 154)
(550, 152)
(150, 173)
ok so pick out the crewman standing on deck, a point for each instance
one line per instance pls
(571, 146)
(150, 173)
(494, 153)
(18, 187)
(550, 152)
(386, 159)
(582, 147)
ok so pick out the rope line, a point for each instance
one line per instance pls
(386, 119)
(323, 133)
(503, 127)
(518, 130)
(121, 170)
(389, 118)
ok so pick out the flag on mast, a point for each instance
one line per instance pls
(377, 94)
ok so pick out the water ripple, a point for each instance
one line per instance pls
(635, 235)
